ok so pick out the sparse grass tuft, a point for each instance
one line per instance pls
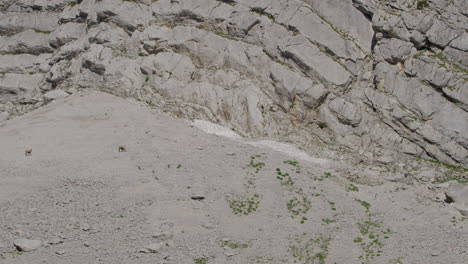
(257, 165)
(364, 203)
(371, 231)
(262, 12)
(42, 31)
(326, 175)
(352, 188)
(422, 4)
(453, 173)
(309, 251)
(294, 164)
(202, 260)
(291, 162)
(298, 206)
(72, 4)
(234, 244)
(120, 52)
(328, 221)
(225, 35)
(449, 166)
(284, 177)
(450, 178)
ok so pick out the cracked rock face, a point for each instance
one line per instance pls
(374, 77)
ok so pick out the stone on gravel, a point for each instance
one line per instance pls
(153, 248)
(163, 236)
(197, 197)
(26, 245)
(54, 95)
(85, 227)
(55, 241)
(60, 252)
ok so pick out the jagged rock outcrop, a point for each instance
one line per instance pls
(378, 78)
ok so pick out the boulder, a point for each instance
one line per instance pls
(54, 95)
(26, 245)
(458, 193)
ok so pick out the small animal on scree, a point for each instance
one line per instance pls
(28, 152)
(122, 149)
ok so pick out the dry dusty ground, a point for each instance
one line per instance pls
(88, 203)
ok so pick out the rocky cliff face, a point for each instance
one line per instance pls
(379, 78)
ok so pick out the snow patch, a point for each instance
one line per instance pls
(288, 149)
(216, 129)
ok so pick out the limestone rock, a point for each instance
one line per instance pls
(378, 78)
(460, 43)
(395, 50)
(54, 95)
(459, 195)
(28, 41)
(153, 248)
(11, 24)
(442, 34)
(26, 245)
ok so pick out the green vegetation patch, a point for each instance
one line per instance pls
(225, 35)
(373, 234)
(254, 163)
(234, 244)
(284, 177)
(449, 166)
(244, 205)
(422, 4)
(328, 221)
(262, 12)
(294, 164)
(73, 3)
(352, 188)
(309, 250)
(326, 175)
(202, 260)
(298, 206)
(42, 31)
(453, 173)
(364, 204)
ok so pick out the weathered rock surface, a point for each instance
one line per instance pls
(374, 77)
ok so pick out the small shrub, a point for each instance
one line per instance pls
(257, 165)
(202, 260)
(234, 244)
(244, 205)
(328, 221)
(284, 177)
(365, 204)
(298, 206)
(422, 4)
(352, 188)
(73, 3)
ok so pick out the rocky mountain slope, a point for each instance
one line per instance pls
(377, 78)
(178, 195)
